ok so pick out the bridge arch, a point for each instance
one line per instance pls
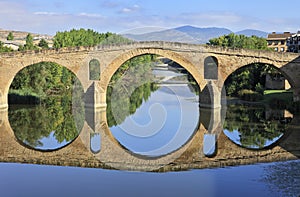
(117, 63)
(77, 86)
(287, 76)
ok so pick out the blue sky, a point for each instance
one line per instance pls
(50, 16)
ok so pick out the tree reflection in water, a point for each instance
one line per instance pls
(48, 126)
(254, 127)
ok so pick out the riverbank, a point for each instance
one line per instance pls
(23, 97)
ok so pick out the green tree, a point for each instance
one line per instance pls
(10, 36)
(43, 44)
(83, 37)
(41, 79)
(29, 45)
(240, 41)
(4, 48)
(251, 77)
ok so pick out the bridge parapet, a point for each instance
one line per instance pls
(111, 57)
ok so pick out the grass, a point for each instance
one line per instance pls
(283, 95)
(22, 92)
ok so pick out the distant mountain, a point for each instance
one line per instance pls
(190, 34)
(187, 34)
(251, 32)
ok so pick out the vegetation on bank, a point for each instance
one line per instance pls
(87, 37)
(4, 48)
(47, 78)
(249, 82)
(240, 41)
(127, 91)
(40, 80)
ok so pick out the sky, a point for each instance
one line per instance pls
(139, 16)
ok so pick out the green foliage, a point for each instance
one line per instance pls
(251, 77)
(10, 36)
(240, 41)
(4, 48)
(249, 95)
(84, 37)
(29, 45)
(43, 79)
(94, 68)
(32, 124)
(253, 127)
(141, 66)
(43, 44)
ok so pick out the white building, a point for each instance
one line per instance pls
(293, 43)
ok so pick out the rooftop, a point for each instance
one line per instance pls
(279, 36)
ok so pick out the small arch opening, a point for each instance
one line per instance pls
(94, 70)
(95, 142)
(210, 145)
(211, 68)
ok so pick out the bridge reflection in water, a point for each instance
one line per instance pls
(220, 152)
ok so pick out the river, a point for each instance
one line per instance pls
(156, 118)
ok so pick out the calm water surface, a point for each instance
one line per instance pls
(274, 180)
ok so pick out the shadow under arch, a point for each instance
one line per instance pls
(282, 71)
(75, 91)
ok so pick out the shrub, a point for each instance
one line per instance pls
(249, 95)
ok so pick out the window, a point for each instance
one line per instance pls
(95, 140)
(276, 48)
(94, 68)
(209, 145)
(282, 49)
(211, 68)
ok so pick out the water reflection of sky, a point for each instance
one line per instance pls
(169, 118)
(276, 180)
(51, 143)
(235, 137)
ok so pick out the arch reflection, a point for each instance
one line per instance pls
(52, 115)
(256, 127)
(153, 107)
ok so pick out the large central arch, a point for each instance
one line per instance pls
(117, 63)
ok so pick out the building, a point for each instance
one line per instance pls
(293, 43)
(278, 41)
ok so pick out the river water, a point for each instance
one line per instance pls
(156, 118)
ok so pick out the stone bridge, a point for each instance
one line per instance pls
(210, 66)
(112, 155)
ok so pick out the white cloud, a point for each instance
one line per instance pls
(46, 13)
(18, 17)
(92, 15)
(131, 9)
(126, 10)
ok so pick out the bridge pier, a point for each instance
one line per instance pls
(210, 96)
(212, 119)
(94, 118)
(3, 102)
(95, 97)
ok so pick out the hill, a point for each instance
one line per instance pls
(190, 34)
(250, 32)
(20, 37)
